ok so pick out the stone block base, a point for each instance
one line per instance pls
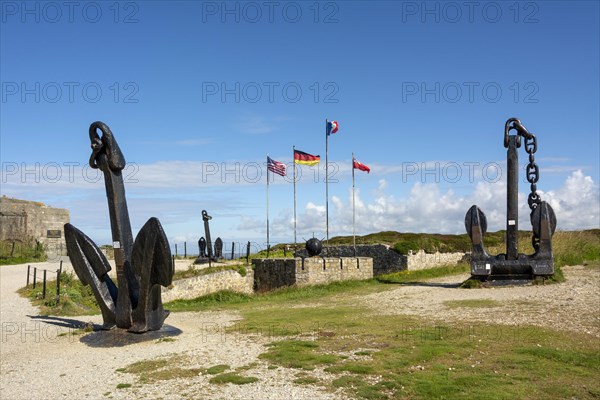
(273, 273)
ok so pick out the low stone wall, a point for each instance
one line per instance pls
(197, 286)
(385, 259)
(273, 273)
(422, 260)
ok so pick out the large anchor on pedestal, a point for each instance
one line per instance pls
(142, 266)
(514, 265)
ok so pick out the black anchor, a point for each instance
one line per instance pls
(142, 266)
(514, 265)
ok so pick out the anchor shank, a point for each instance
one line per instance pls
(512, 198)
(117, 207)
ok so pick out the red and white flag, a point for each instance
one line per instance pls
(358, 165)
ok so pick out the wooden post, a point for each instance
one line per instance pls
(248, 252)
(232, 249)
(184, 249)
(175, 249)
(60, 268)
(34, 276)
(44, 286)
(28, 272)
(12, 251)
(58, 284)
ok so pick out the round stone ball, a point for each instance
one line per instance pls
(314, 247)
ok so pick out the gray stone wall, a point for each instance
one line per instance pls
(385, 259)
(22, 220)
(422, 260)
(274, 273)
(206, 284)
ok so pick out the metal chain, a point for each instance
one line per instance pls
(532, 171)
(533, 174)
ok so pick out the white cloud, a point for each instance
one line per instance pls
(427, 209)
(177, 191)
(577, 203)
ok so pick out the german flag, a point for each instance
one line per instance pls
(301, 157)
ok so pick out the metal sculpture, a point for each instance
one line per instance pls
(142, 265)
(314, 247)
(206, 218)
(514, 265)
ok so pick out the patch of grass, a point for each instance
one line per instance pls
(141, 367)
(353, 368)
(576, 247)
(297, 354)
(424, 274)
(472, 303)
(12, 253)
(123, 385)
(75, 298)
(192, 271)
(275, 252)
(149, 371)
(233, 378)
(217, 369)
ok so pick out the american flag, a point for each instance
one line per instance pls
(275, 166)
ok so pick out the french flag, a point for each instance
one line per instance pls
(332, 127)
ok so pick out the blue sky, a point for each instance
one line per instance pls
(197, 93)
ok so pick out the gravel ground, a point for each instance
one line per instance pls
(572, 306)
(37, 363)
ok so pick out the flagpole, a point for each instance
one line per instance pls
(268, 206)
(294, 161)
(353, 210)
(326, 181)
